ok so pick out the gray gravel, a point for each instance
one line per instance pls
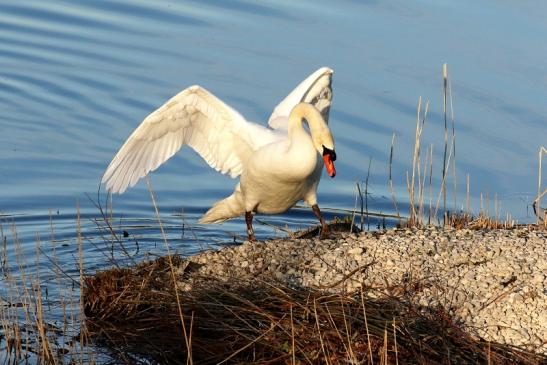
(494, 282)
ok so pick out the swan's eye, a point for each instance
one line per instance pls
(331, 153)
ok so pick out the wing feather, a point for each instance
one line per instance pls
(219, 134)
(316, 89)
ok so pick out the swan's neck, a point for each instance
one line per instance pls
(317, 125)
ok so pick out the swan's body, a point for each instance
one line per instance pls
(278, 166)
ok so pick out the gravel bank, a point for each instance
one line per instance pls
(494, 282)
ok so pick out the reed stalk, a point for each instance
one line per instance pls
(366, 196)
(415, 217)
(540, 194)
(390, 179)
(467, 196)
(445, 90)
(361, 200)
(172, 270)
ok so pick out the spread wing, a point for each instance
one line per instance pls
(194, 117)
(316, 89)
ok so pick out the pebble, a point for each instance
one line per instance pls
(492, 281)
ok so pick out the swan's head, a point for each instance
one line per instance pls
(322, 140)
(329, 156)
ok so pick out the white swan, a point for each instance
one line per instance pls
(278, 166)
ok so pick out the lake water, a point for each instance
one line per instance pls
(77, 78)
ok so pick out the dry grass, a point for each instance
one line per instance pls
(28, 335)
(419, 181)
(541, 213)
(464, 220)
(134, 313)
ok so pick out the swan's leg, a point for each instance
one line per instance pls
(250, 231)
(324, 228)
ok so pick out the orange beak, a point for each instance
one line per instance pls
(329, 165)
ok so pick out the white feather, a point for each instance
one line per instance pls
(194, 117)
(316, 89)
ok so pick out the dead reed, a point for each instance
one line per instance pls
(541, 213)
(419, 182)
(28, 334)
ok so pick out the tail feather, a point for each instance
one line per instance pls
(224, 209)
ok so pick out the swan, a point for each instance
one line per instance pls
(277, 165)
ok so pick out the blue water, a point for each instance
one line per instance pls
(77, 77)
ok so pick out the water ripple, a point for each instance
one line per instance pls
(46, 15)
(146, 12)
(251, 8)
